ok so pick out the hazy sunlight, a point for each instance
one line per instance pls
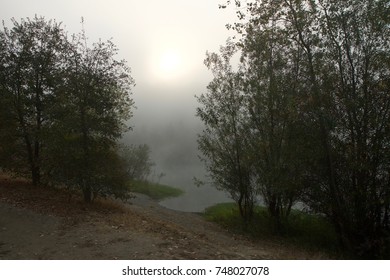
(169, 63)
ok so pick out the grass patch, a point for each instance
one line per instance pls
(307, 231)
(313, 231)
(154, 190)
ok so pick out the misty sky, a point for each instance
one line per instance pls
(164, 43)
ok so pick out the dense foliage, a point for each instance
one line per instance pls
(312, 97)
(63, 108)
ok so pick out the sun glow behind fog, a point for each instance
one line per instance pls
(170, 62)
(168, 65)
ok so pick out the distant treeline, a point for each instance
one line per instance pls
(305, 117)
(63, 108)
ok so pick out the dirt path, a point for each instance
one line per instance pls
(34, 226)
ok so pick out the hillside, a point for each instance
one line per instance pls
(42, 223)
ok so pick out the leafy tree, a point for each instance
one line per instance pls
(356, 46)
(224, 140)
(64, 107)
(340, 50)
(269, 63)
(31, 55)
(92, 107)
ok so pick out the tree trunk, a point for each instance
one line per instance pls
(35, 175)
(87, 193)
(32, 160)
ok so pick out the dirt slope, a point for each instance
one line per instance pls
(37, 223)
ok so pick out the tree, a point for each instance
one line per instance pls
(269, 63)
(67, 104)
(137, 161)
(92, 107)
(223, 141)
(358, 55)
(31, 56)
(264, 91)
(342, 101)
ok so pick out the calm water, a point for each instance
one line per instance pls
(196, 199)
(175, 153)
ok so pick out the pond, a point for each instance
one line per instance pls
(196, 199)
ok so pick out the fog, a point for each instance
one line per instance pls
(145, 32)
(167, 124)
(174, 150)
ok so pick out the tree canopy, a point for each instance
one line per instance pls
(314, 79)
(64, 105)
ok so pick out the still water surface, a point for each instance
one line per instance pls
(194, 199)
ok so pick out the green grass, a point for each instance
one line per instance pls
(307, 231)
(154, 190)
(313, 231)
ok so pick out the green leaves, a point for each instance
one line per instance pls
(67, 103)
(95, 105)
(223, 141)
(30, 67)
(314, 84)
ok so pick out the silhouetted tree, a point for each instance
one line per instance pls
(31, 57)
(92, 107)
(224, 142)
(64, 106)
(269, 65)
(340, 50)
